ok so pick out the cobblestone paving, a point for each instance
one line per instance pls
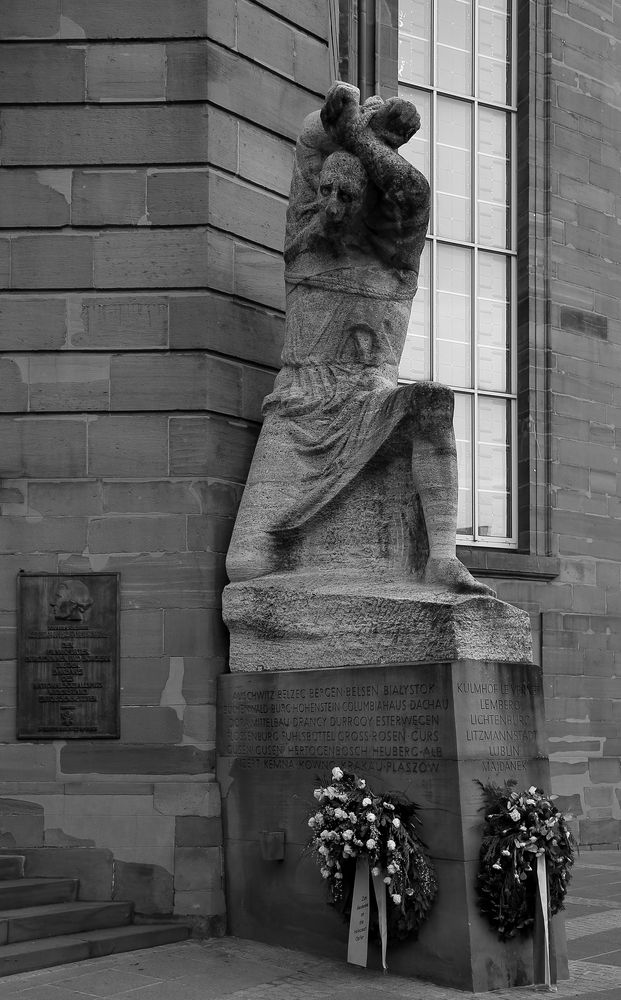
(233, 969)
(593, 924)
(599, 904)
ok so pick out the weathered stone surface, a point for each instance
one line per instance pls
(600, 831)
(150, 724)
(93, 758)
(55, 837)
(21, 823)
(201, 902)
(291, 622)
(92, 866)
(198, 868)
(32, 762)
(198, 831)
(150, 887)
(184, 798)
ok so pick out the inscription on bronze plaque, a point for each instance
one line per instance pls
(68, 656)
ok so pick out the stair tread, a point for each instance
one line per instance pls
(16, 883)
(76, 906)
(12, 866)
(138, 932)
(22, 892)
(44, 953)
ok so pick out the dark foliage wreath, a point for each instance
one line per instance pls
(351, 821)
(519, 827)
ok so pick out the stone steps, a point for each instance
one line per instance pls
(24, 956)
(12, 866)
(19, 892)
(42, 923)
(59, 919)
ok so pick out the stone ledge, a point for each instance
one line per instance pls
(507, 563)
(301, 621)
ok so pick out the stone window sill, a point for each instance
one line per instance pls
(508, 564)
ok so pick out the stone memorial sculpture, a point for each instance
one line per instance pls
(344, 545)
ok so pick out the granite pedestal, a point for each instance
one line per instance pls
(426, 730)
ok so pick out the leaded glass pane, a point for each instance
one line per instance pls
(494, 475)
(415, 41)
(454, 46)
(494, 51)
(453, 319)
(453, 174)
(493, 177)
(463, 438)
(494, 322)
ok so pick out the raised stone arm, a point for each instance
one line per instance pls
(373, 132)
(313, 146)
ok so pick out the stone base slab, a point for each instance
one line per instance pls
(428, 731)
(292, 621)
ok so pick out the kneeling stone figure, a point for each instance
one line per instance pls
(352, 493)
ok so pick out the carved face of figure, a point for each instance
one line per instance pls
(71, 601)
(342, 186)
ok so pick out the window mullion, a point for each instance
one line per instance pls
(475, 272)
(433, 62)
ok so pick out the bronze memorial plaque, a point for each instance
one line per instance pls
(68, 656)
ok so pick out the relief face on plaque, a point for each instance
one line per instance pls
(72, 601)
(68, 656)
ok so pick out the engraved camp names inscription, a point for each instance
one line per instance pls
(68, 656)
(499, 720)
(395, 727)
(377, 721)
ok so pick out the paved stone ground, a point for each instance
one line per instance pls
(246, 970)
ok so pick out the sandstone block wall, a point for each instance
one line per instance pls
(145, 155)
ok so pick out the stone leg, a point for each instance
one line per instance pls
(253, 551)
(273, 485)
(434, 470)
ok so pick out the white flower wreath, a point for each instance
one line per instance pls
(351, 821)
